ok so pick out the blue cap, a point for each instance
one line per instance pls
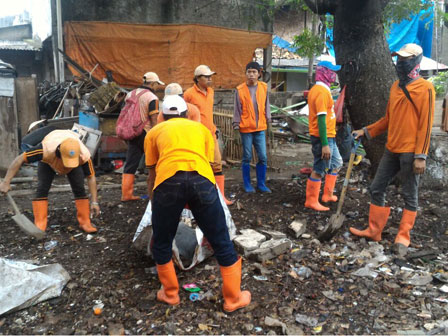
(329, 65)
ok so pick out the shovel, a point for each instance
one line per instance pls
(24, 223)
(336, 220)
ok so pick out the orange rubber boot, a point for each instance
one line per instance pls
(40, 211)
(330, 182)
(127, 188)
(406, 225)
(83, 209)
(377, 221)
(312, 196)
(169, 293)
(220, 182)
(234, 298)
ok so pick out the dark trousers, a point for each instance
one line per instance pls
(202, 197)
(134, 153)
(45, 176)
(390, 165)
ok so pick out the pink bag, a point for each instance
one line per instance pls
(130, 124)
(338, 106)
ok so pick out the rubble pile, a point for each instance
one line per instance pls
(299, 285)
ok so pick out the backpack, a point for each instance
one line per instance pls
(129, 123)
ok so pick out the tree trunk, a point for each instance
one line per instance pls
(367, 68)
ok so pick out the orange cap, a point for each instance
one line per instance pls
(70, 150)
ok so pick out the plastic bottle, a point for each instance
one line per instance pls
(49, 245)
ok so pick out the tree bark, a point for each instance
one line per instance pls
(367, 68)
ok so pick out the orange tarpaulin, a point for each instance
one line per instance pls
(172, 51)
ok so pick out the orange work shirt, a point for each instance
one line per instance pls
(204, 103)
(408, 127)
(193, 114)
(179, 144)
(320, 102)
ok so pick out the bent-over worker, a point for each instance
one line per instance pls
(60, 152)
(178, 155)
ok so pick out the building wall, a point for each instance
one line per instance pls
(225, 13)
(295, 81)
(25, 62)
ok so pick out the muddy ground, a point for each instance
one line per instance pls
(106, 268)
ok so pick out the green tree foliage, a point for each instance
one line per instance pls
(308, 44)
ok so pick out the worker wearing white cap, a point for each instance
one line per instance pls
(174, 89)
(408, 122)
(178, 152)
(201, 94)
(149, 108)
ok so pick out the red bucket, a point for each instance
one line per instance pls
(117, 163)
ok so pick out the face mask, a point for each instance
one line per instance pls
(325, 75)
(408, 69)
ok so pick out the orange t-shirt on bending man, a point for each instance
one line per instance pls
(193, 114)
(320, 102)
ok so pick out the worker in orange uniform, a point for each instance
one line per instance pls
(408, 122)
(202, 95)
(178, 155)
(174, 89)
(63, 153)
(149, 108)
(251, 118)
(322, 127)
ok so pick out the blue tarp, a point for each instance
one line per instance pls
(281, 43)
(418, 30)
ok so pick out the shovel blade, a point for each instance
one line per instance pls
(28, 226)
(334, 224)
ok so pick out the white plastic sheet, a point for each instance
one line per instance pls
(203, 250)
(23, 285)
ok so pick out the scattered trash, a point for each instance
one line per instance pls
(444, 289)
(25, 284)
(98, 307)
(304, 272)
(260, 277)
(419, 280)
(49, 245)
(365, 272)
(192, 288)
(306, 320)
(196, 297)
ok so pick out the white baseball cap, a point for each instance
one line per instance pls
(152, 77)
(410, 49)
(203, 70)
(173, 89)
(174, 105)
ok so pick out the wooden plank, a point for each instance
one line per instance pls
(8, 132)
(27, 102)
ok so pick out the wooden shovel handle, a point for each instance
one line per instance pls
(14, 205)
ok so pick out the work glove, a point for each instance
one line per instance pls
(236, 135)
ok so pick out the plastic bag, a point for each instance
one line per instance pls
(190, 247)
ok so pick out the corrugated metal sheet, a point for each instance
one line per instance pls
(17, 45)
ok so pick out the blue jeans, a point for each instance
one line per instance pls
(390, 165)
(169, 200)
(258, 140)
(320, 166)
